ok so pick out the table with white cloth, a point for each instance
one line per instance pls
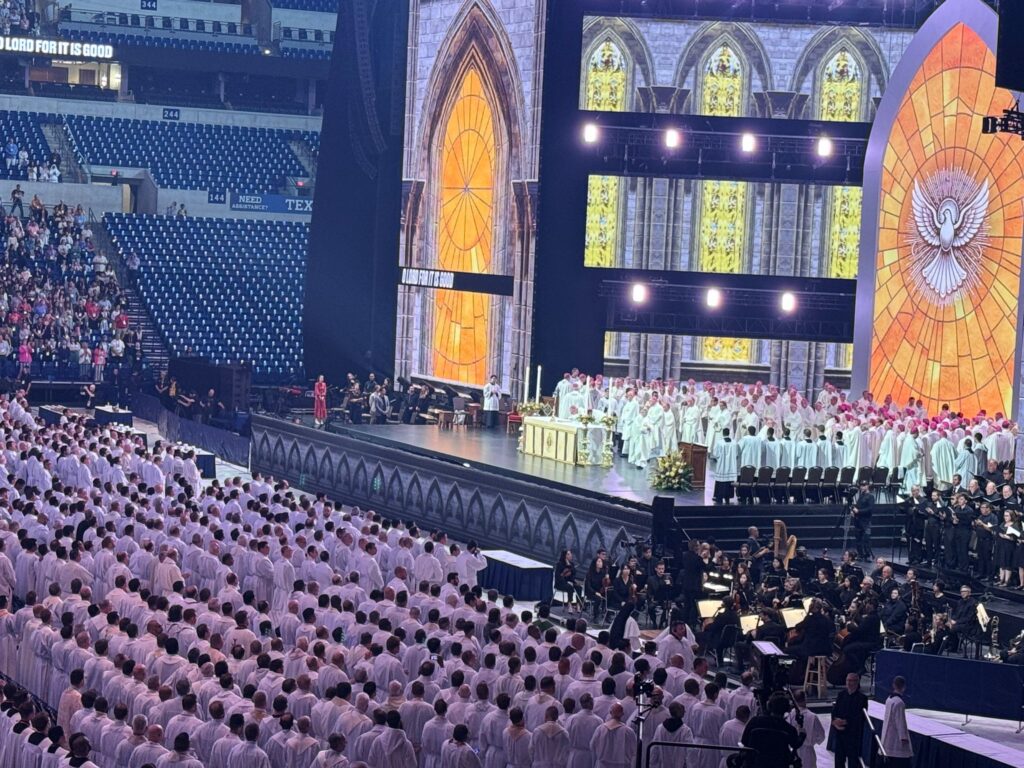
(515, 575)
(111, 414)
(561, 440)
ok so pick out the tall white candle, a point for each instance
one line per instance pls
(537, 398)
(526, 386)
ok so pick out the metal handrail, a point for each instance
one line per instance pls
(690, 745)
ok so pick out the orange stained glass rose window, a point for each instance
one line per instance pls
(465, 232)
(949, 249)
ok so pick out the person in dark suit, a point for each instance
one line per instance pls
(848, 717)
(862, 510)
(691, 581)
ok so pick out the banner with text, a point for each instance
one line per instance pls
(266, 203)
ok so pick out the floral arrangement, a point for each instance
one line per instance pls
(586, 418)
(671, 473)
(608, 420)
(529, 408)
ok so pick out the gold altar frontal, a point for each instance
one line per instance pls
(551, 439)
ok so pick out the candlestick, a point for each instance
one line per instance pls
(537, 398)
(526, 385)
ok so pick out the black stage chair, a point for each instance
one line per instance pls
(812, 486)
(879, 480)
(763, 485)
(780, 488)
(745, 485)
(829, 484)
(797, 489)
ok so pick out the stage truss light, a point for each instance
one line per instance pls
(788, 302)
(673, 138)
(638, 293)
(713, 298)
(748, 142)
(591, 133)
(824, 148)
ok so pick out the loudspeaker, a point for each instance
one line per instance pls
(1009, 61)
(663, 522)
(231, 382)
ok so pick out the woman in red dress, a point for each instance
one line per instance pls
(320, 401)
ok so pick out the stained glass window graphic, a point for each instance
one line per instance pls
(840, 96)
(939, 346)
(606, 85)
(465, 232)
(723, 217)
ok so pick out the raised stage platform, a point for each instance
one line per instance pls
(475, 483)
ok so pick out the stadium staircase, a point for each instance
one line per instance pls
(57, 137)
(303, 151)
(154, 349)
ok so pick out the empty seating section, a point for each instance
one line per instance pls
(325, 6)
(291, 50)
(26, 130)
(160, 38)
(189, 155)
(230, 289)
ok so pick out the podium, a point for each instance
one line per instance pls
(697, 457)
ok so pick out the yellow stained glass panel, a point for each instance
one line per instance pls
(723, 221)
(840, 97)
(606, 92)
(465, 232)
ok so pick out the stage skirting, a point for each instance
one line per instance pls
(939, 745)
(953, 684)
(513, 574)
(499, 511)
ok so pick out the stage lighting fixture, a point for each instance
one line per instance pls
(824, 147)
(638, 293)
(713, 298)
(590, 133)
(673, 138)
(748, 142)
(788, 302)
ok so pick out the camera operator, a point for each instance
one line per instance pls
(775, 741)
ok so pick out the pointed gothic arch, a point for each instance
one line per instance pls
(747, 46)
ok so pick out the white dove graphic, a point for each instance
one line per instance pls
(948, 233)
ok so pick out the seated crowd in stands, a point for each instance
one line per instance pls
(147, 620)
(62, 310)
(18, 162)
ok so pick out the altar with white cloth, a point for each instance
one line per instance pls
(564, 440)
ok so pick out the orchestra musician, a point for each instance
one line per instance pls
(565, 579)
(813, 635)
(691, 581)
(596, 585)
(354, 400)
(963, 618)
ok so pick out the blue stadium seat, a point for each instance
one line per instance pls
(190, 155)
(230, 289)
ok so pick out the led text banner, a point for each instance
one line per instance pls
(41, 46)
(495, 285)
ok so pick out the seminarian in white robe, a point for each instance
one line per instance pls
(943, 461)
(751, 450)
(772, 452)
(705, 719)
(910, 462)
(550, 745)
(806, 452)
(614, 743)
(726, 468)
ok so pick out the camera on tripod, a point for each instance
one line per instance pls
(642, 687)
(773, 667)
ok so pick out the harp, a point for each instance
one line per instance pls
(783, 545)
